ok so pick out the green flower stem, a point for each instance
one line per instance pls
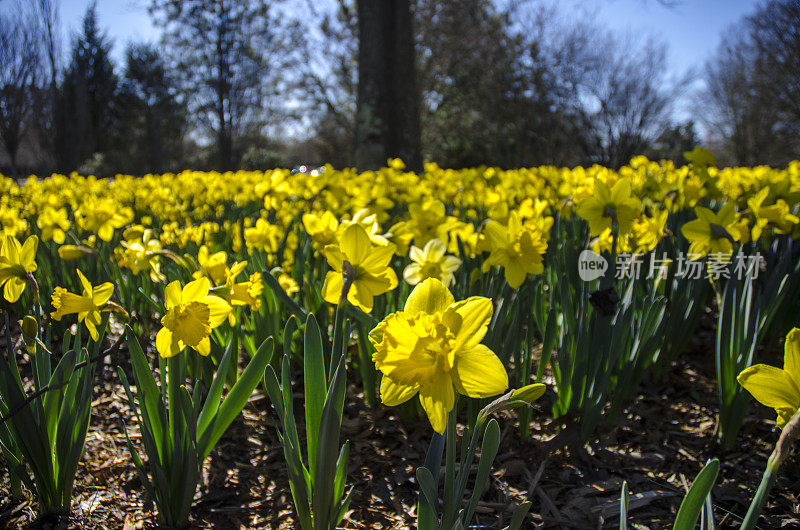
(789, 435)
(450, 500)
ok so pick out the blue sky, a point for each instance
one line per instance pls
(691, 28)
(124, 20)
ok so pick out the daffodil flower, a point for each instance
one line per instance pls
(213, 266)
(191, 315)
(367, 262)
(103, 217)
(713, 232)
(433, 348)
(242, 293)
(87, 306)
(431, 262)
(648, 230)
(517, 247)
(139, 251)
(609, 204)
(321, 228)
(775, 387)
(16, 262)
(778, 214)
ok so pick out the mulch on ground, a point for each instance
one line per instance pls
(657, 445)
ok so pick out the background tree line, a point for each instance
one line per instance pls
(253, 84)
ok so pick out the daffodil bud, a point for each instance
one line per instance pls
(515, 399)
(73, 252)
(528, 393)
(30, 330)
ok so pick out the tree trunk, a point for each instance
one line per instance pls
(387, 119)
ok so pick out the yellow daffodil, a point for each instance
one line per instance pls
(288, 284)
(191, 315)
(322, 228)
(367, 262)
(263, 236)
(516, 247)
(432, 347)
(713, 232)
(103, 217)
(609, 204)
(53, 222)
(73, 252)
(426, 221)
(87, 306)
(139, 251)
(700, 157)
(245, 293)
(647, 231)
(16, 262)
(213, 266)
(778, 215)
(431, 262)
(775, 387)
(12, 222)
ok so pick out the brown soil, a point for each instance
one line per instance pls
(658, 445)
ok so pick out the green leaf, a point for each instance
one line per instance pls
(491, 442)
(290, 304)
(549, 340)
(623, 507)
(52, 398)
(274, 392)
(518, 517)
(692, 504)
(315, 387)
(236, 399)
(341, 472)
(427, 486)
(211, 405)
(154, 417)
(323, 503)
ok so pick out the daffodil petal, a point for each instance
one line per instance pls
(393, 394)
(195, 290)
(771, 386)
(437, 399)
(164, 343)
(791, 355)
(360, 296)
(87, 286)
(203, 347)
(431, 296)
(469, 319)
(172, 295)
(355, 244)
(378, 257)
(13, 289)
(479, 373)
(219, 310)
(695, 230)
(102, 293)
(332, 288)
(27, 254)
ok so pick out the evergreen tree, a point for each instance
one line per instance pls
(87, 95)
(151, 118)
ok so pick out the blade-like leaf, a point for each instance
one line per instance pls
(236, 399)
(315, 382)
(692, 504)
